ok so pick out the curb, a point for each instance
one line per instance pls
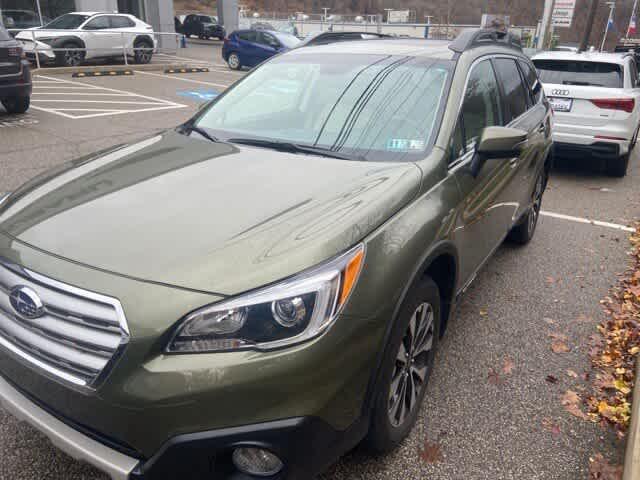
(101, 68)
(632, 453)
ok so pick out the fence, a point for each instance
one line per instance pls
(98, 44)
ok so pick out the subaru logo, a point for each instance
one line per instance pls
(558, 92)
(26, 302)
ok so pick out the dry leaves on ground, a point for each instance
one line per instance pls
(615, 348)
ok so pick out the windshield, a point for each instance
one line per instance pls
(571, 72)
(373, 107)
(287, 39)
(70, 21)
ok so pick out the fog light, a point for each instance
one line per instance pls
(256, 461)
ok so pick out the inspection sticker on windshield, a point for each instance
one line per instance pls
(404, 144)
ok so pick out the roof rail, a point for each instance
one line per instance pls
(478, 37)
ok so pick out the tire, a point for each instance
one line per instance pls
(143, 56)
(525, 229)
(233, 60)
(391, 421)
(16, 104)
(70, 58)
(617, 167)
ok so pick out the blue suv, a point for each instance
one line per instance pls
(248, 48)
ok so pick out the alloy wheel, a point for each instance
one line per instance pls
(73, 58)
(411, 365)
(234, 61)
(143, 55)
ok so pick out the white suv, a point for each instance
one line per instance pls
(74, 37)
(595, 99)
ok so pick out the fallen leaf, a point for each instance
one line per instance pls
(559, 346)
(550, 425)
(484, 312)
(549, 321)
(551, 280)
(571, 401)
(622, 386)
(551, 379)
(572, 374)
(508, 366)
(430, 452)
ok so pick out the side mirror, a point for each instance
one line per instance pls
(497, 142)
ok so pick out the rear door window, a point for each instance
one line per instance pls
(121, 22)
(572, 72)
(248, 36)
(514, 91)
(98, 23)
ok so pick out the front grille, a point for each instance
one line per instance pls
(77, 335)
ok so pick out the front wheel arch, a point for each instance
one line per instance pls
(440, 254)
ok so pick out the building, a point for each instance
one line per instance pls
(158, 13)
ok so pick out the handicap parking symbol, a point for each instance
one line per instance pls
(199, 95)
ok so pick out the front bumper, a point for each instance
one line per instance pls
(307, 445)
(67, 439)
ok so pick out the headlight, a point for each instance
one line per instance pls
(289, 312)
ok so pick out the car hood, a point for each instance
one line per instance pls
(212, 217)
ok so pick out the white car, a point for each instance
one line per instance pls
(595, 98)
(74, 37)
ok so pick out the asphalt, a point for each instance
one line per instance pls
(480, 420)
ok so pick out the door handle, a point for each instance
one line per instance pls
(542, 128)
(513, 163)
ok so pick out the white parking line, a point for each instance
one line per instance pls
(49, 92)
(598, 223)
(200, 82)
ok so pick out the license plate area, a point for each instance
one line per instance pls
(561, 104)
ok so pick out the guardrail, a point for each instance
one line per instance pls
(124, 47)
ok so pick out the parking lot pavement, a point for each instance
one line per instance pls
(490, 411)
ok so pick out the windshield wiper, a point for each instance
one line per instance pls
(294, 148)
(188, 128)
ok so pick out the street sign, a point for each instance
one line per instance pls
(562, 14)
(398, 16)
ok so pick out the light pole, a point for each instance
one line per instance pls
(612, 7)
(426, 28)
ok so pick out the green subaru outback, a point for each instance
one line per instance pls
(257, 291)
